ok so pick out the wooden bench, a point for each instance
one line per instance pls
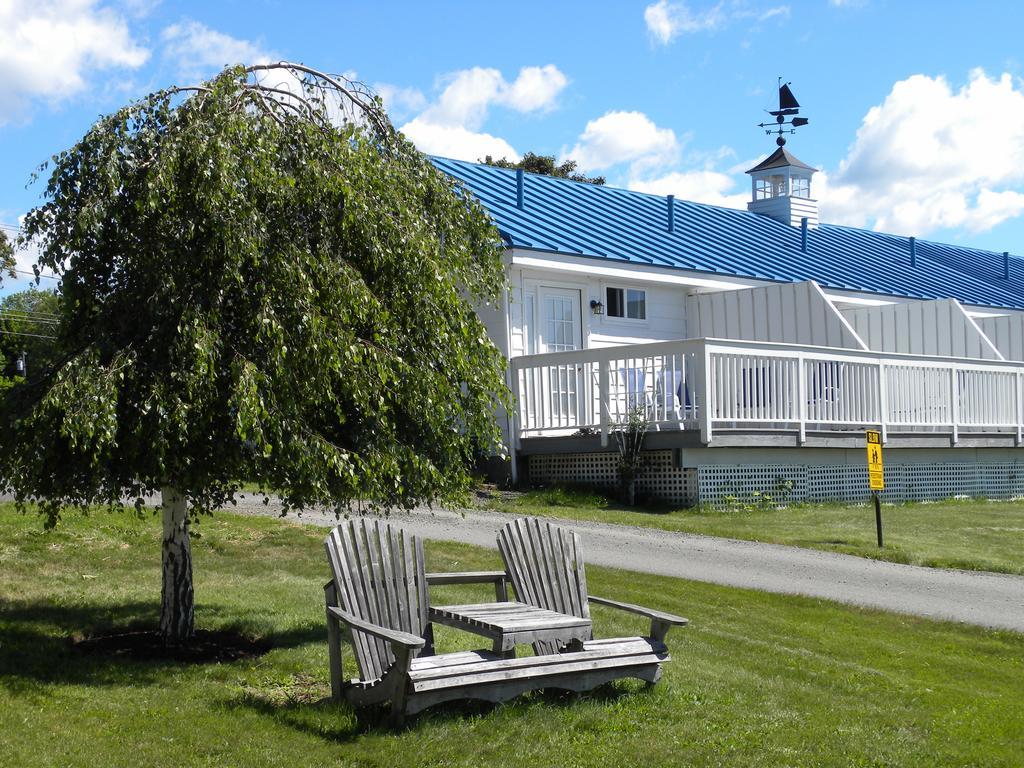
(379, 590)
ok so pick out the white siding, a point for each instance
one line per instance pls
(797, 313)
(493, 318)
(515, 309)
(922, 327)
(1006, 332)
(788, 210)
(665, 319)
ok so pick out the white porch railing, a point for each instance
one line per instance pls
(710, 384)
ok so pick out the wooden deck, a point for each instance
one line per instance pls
(723, 393)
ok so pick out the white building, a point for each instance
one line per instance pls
(760, 343)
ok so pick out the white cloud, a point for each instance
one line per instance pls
(931, 157)
(466, 97)
(535, 89)
(139, 8)
(659, 22)
(666, 21)
(469, 94)
(771, 13)
(700, 186)
(199, 51)
(452, 125)
(456, 142)
(623, 137)
(48, 47)
(400, 102)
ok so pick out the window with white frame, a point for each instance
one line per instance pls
(768, 187)
(628, 303)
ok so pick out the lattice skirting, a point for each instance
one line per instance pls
(659, 479)
(724, 484)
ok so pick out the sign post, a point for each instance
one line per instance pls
(876, 477)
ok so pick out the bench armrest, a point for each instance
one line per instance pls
(649, 613)
(394, 636)
(661, 622)
(467, 577)
(498, 578)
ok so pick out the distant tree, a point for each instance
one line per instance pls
(28, 320)
(261, 279)
(545, 164)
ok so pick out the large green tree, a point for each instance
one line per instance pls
(545, 165)
(261, 279)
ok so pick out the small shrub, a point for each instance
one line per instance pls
(629, 437)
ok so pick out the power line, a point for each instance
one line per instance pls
(27, 319)
(18, 333)
(32, 325)
(32, 312)
(28, 311)
(17, 231)
(33, 274)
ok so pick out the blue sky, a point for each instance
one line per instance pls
(916, 108)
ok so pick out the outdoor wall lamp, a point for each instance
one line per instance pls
(596, 307)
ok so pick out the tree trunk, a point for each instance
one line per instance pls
(177, 609)
(627, 486)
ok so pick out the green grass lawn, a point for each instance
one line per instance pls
(757, 679)
(972, 534)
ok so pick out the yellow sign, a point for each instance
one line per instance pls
(876, 480)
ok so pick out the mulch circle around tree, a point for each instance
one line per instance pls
(147, 645)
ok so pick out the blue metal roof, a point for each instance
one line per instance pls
(620, 225)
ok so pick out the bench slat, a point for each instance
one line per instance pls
(514, 621)
(452, 659)
(623, 649)
(490, 674)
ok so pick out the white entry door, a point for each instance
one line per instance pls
(561, 330)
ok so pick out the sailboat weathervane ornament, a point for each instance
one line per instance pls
(788, 107)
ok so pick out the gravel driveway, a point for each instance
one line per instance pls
(986, 599)
(972, 597)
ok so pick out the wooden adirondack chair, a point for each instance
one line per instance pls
(546, 566)
(379, 591)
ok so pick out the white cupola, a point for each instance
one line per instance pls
(781, 189)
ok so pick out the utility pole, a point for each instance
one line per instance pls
(21, 365)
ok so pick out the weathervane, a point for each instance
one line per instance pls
(788, 107)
